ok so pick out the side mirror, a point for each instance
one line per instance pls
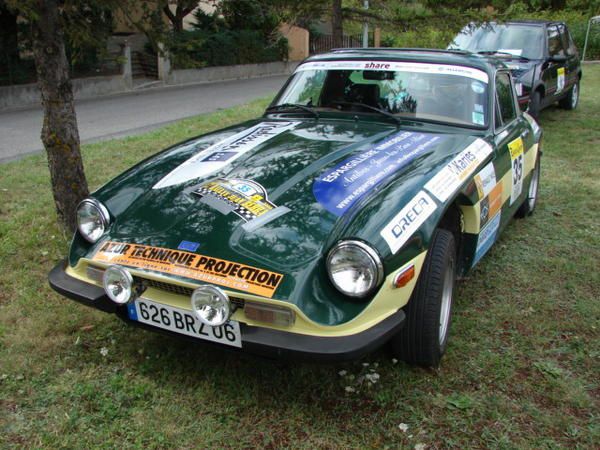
(558, 58)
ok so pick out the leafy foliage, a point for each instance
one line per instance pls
(239, 32)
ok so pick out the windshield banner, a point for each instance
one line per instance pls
(396, 66)
(338, 188)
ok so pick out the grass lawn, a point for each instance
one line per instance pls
(522, 368)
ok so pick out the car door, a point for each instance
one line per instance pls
(554, 70)
(572, 62)
(512, 138)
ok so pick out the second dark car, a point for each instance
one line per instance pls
(541, 55)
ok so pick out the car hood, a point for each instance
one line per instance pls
(272, 194)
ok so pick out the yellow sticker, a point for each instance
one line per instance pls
(516, 148)
(191, 265)
(516, 166)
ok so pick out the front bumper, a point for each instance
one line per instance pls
(258, 340)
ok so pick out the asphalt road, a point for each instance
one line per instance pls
(132, 113)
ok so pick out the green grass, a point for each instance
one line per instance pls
(522, 369)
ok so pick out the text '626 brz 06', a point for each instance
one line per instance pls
(335, 223)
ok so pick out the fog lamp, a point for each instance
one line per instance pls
(211, 305)
(118, 284)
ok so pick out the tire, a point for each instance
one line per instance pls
(535, 104)
(424, 338)
(572, 99)
(528, 206)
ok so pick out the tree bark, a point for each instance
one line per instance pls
(337, 27)
(59, 131)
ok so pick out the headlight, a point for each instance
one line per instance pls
(354, 268)
(211, 305)
(118, 284)
(92, 219)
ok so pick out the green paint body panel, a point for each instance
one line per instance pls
(296, 243)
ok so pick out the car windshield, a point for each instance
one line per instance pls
(519, 40)
(450, 94)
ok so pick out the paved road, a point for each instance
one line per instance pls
(132, 113)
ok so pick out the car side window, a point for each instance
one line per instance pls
(505, 100)
(555, 45)
(568, 39)
(563, 38)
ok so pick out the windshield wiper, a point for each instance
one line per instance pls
(496, 52)
(398, 120)
(293, 105)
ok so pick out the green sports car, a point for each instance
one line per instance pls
(337, 222)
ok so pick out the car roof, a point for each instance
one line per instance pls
(486, 63)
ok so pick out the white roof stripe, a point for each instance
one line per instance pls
(396, 66)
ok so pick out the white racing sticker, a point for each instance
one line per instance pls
(485, 180)
(218, 155)
(396, 66)
(408, 220)
(452, 176)
(517, 168)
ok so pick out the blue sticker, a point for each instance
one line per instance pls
(131, 311)
(219, 156)
(487, 236)
(338, 188)
(189, 246)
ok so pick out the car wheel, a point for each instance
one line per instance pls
(572, 98)
(424, 337)
(535, 104)
(527, 207)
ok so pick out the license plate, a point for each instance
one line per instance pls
(183, 322)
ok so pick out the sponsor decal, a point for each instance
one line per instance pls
(560, 79)
(452, 176)
(245, 198)
(408, 220)
(188, 245)
(485, 180)
(487, 237)
(517, 168)
(478, 118)
(191, 265)
(490, 205)
(217, 156)
(338, 188)
(412, 67)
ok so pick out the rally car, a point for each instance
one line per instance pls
(337, 222)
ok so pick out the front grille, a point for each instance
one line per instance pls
(182, 290)
(96, 274)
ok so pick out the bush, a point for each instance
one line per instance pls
(193, 49)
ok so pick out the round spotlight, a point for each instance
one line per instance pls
(211, 305)
(118, 284)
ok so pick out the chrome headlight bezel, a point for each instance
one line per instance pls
(370, 256)
(218, 299)
(126, 280)
(103, 219)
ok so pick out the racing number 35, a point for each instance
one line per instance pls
(185, 322)
(516, 156)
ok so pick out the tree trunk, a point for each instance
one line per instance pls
(59, 132)
(337, 27)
